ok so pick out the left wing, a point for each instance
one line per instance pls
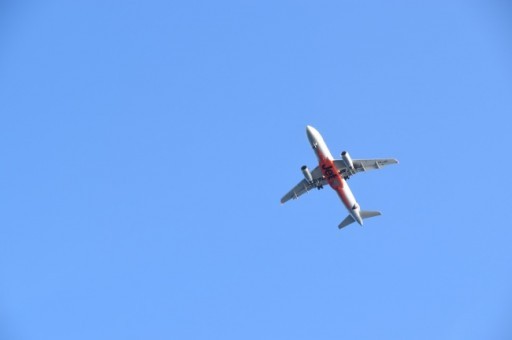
(362, 165)
(304, 186)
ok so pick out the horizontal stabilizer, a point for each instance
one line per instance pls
(363, 213)
(348, 220)
(368, 214)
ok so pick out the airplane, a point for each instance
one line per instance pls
(336, 172)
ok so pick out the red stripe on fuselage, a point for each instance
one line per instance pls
(331, 174)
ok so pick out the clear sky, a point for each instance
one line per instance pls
(145, 146)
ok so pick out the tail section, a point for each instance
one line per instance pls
(364, 215)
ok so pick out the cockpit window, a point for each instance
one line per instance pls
(354, 207)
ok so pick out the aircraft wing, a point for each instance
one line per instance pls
(304, 186)
(362, 165)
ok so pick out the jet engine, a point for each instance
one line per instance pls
(307, 174)
(347, 160)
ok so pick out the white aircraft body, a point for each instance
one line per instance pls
(335, 172)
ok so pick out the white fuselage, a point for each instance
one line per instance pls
(331, 173)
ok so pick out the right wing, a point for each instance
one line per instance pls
(362, 165)
(304, 186)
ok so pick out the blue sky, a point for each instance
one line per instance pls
(145, 147)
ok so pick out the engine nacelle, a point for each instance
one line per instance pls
(347, 160)
(307, 174)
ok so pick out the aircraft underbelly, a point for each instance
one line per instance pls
(346, 197)
(336, 182)
(331, 174)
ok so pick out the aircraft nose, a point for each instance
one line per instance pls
(311, 133)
